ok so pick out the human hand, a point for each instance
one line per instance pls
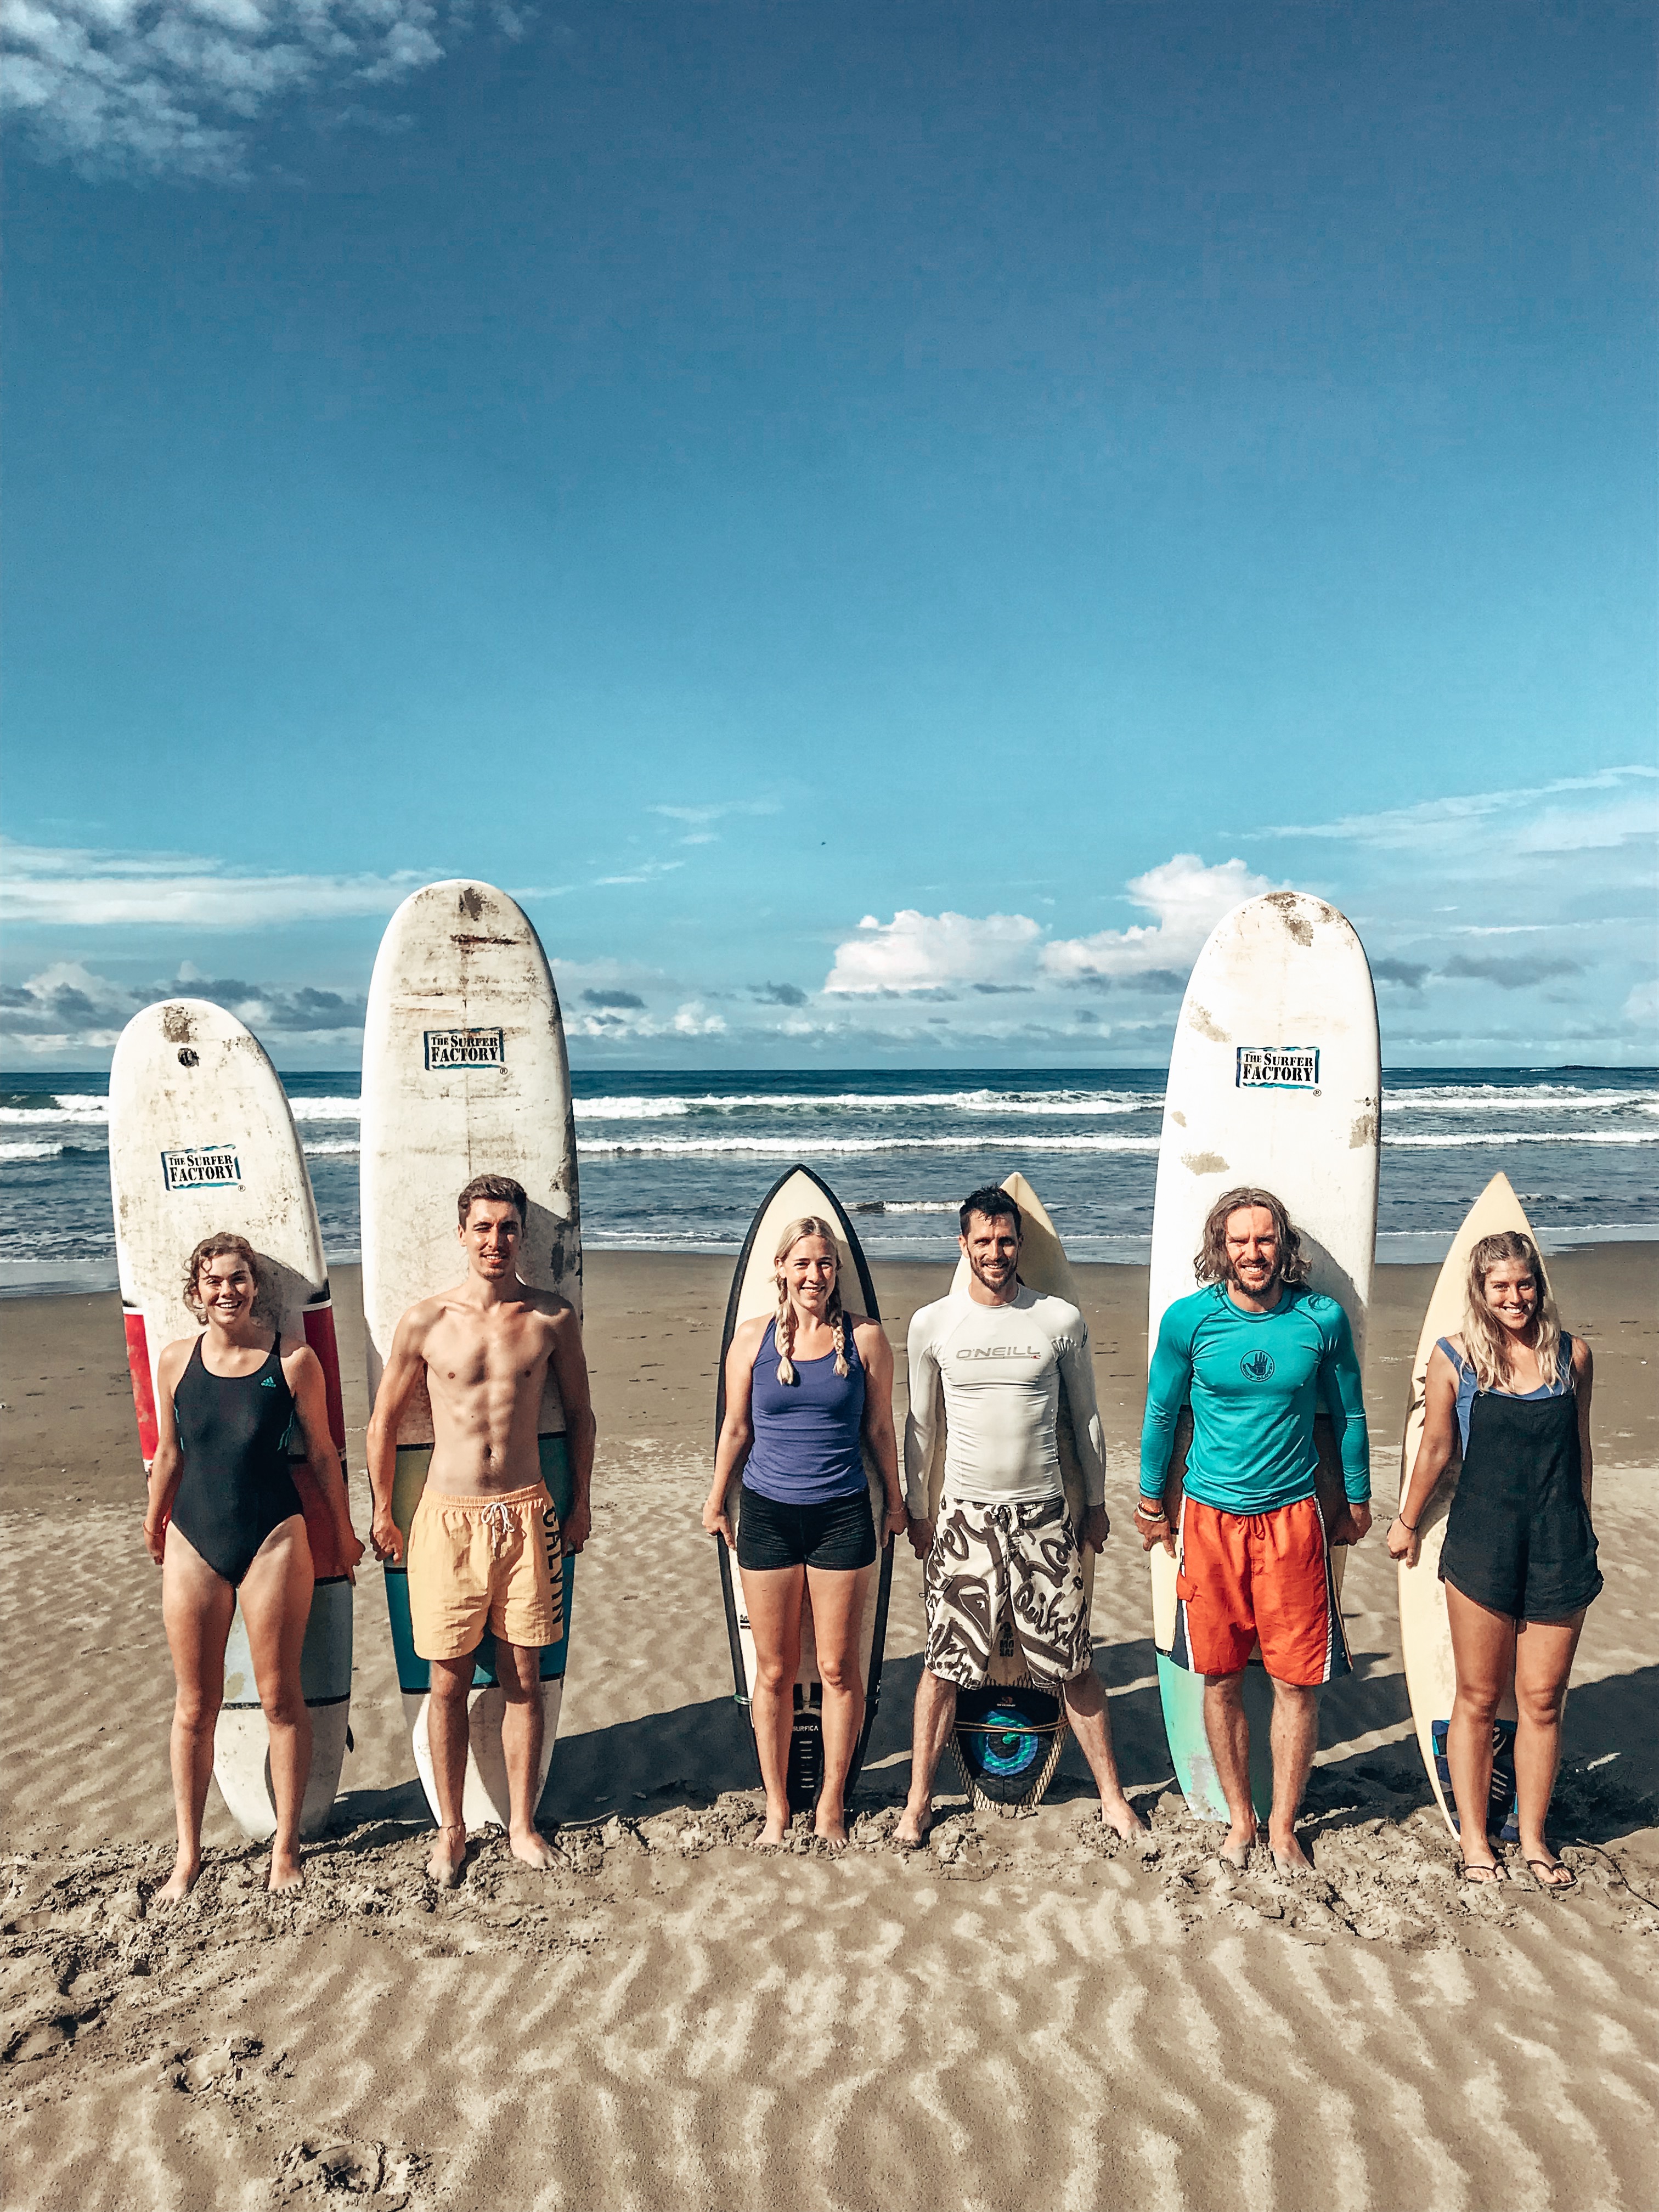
(894, 1520)
(922, 1537)
(386, 1536)
(1097, 1528)
(576, 1527)
(1352, 1523)
(1154, 1530)
(716, 1520)
(349, 1548)
(1404, 1543)
(156, 1539)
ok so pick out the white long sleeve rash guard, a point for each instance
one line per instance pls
(1003, 1369)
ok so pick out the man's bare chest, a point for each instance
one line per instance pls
(462, 1355)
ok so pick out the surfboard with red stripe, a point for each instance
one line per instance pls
(202, 1139)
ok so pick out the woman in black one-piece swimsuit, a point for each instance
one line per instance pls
(224, 1521)
(1518, 1562)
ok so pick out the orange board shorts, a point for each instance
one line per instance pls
(1242, 1578)
(478, 1563)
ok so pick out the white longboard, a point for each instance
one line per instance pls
(465, 1073)
(1425, 1632)
(1009, 1736)
(201, 1139)
(754, 1291)
(1276, 1080)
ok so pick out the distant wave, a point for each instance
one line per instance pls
(26, 1149)
(1452, 1140)
(1050, 1104)
(790, 1147)
(313, 1146)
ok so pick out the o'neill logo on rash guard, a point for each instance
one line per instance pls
(997, 1352)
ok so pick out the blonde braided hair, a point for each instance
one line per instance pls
(808, 1225)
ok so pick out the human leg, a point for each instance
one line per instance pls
(1484, 1657)
(1092, 1724)
(1295, 1739)
(1228, 1732)
(772, 1598)
(518, 1671)
(447, 1732)
(197, 1605)
(930, 1731)
(1544, 1651)
(276, 1599)
(838, 1597)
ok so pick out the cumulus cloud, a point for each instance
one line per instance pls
(178, 85)
(1187, 898)
(69, 1006)
(78, 889)
(916, 952)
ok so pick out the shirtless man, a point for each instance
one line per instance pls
(1004, 1355)
(483, 1539)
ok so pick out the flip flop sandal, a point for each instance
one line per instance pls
(1555, 1867)
(1483, 1876)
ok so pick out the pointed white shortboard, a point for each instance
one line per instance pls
(1275, 1079)
(1424, 1631)
(754, 1292)
(201, 1139)
(465, 1073)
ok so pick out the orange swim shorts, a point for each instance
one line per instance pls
(478, 1563)
(1245, 1577)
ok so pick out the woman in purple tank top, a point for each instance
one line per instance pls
(807, 1389)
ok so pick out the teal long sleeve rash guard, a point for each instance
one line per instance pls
(1255, 1381)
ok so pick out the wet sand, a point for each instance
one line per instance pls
(1024, 2015)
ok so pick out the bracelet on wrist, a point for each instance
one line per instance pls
(1410, 1526)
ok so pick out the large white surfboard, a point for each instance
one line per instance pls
(754, 1291)
(1425, 1632)
(465, 1073)
(1275, 1079)
(201, 1139)
(1009, 1736)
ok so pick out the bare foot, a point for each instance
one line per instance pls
(830, 1828)
(1121, 1818)
(913, 1822)
(1235, 1852)
(448, 1856)
(533, 1848)
(180, 1882)
(1289, 1855)
(776, 1830)
(286, 1872)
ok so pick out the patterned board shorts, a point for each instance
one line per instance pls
(1019, 1560)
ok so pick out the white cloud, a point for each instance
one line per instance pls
(1641, 1008)
(1459, 817)
(70, 1007)
(698, 820)
(176, 85)
(646, 872)
(96, 890)
(932, 951)
(693, 1019)
(1189, 900)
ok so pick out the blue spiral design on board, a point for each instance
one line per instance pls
(1009, 1746)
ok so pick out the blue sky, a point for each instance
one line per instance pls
(875, 523)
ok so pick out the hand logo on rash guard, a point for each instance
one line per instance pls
(1256, 1366)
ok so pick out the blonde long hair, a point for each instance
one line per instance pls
(1486, 1340)
(808, 1225)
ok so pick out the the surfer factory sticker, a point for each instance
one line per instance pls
(1278, 1068)
(465, 1048)
(200, 1167)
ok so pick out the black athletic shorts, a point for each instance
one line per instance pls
(838, 1535)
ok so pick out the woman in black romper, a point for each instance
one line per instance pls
(1519, 1557)
(224, 1522)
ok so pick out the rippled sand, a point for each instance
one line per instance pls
(1025, 2016)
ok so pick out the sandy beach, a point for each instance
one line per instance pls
(1027, 2014)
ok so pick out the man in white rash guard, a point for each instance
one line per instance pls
(1004, 1540)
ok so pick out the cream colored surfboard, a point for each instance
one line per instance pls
(754, 1291)
(465, 1073)
(1276, 1080)
(1009, 1736)
(1425, 1634)
(201, 1139)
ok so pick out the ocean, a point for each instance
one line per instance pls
(679, 1163)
